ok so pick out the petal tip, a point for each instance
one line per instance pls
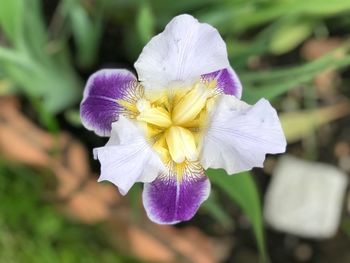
(184, 51)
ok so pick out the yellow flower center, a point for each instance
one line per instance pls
(174, 120)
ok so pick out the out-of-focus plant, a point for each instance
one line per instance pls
(33, 231)
(38, 65)
(84, 26)
(273, 83)
(300, 124)
(283, 25)
(241, 188)
(275, 26)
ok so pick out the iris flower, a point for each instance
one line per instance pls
(181, 116)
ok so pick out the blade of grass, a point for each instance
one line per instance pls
(242, 190)
(277, 82)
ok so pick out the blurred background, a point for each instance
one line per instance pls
(296, 209)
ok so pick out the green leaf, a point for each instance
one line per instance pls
(35, 33)
(321, 8)
(87, 30)
(27, 63)
(272, 83)
(11, 18)
(73, 117)
(45, 117)
(289, 35)
(6, 87)
(134, 197)
(242, 190)
(300, 124)
(145, 23)
(345, 226)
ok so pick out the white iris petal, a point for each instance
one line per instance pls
(239, 135)
(182, 53)
(127, 158)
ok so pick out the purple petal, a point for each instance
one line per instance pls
(227, 81)
(99, 107)
(169, 201)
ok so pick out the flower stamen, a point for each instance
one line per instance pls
(173, 121)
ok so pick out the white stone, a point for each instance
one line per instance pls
(305, 198)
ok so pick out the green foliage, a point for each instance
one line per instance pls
(242, 190)
(273, 83)
(86, 29)
(145, 23)
(33, 231)
(239, 16)
(289, 35)
(39, 66)
(11, 15)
